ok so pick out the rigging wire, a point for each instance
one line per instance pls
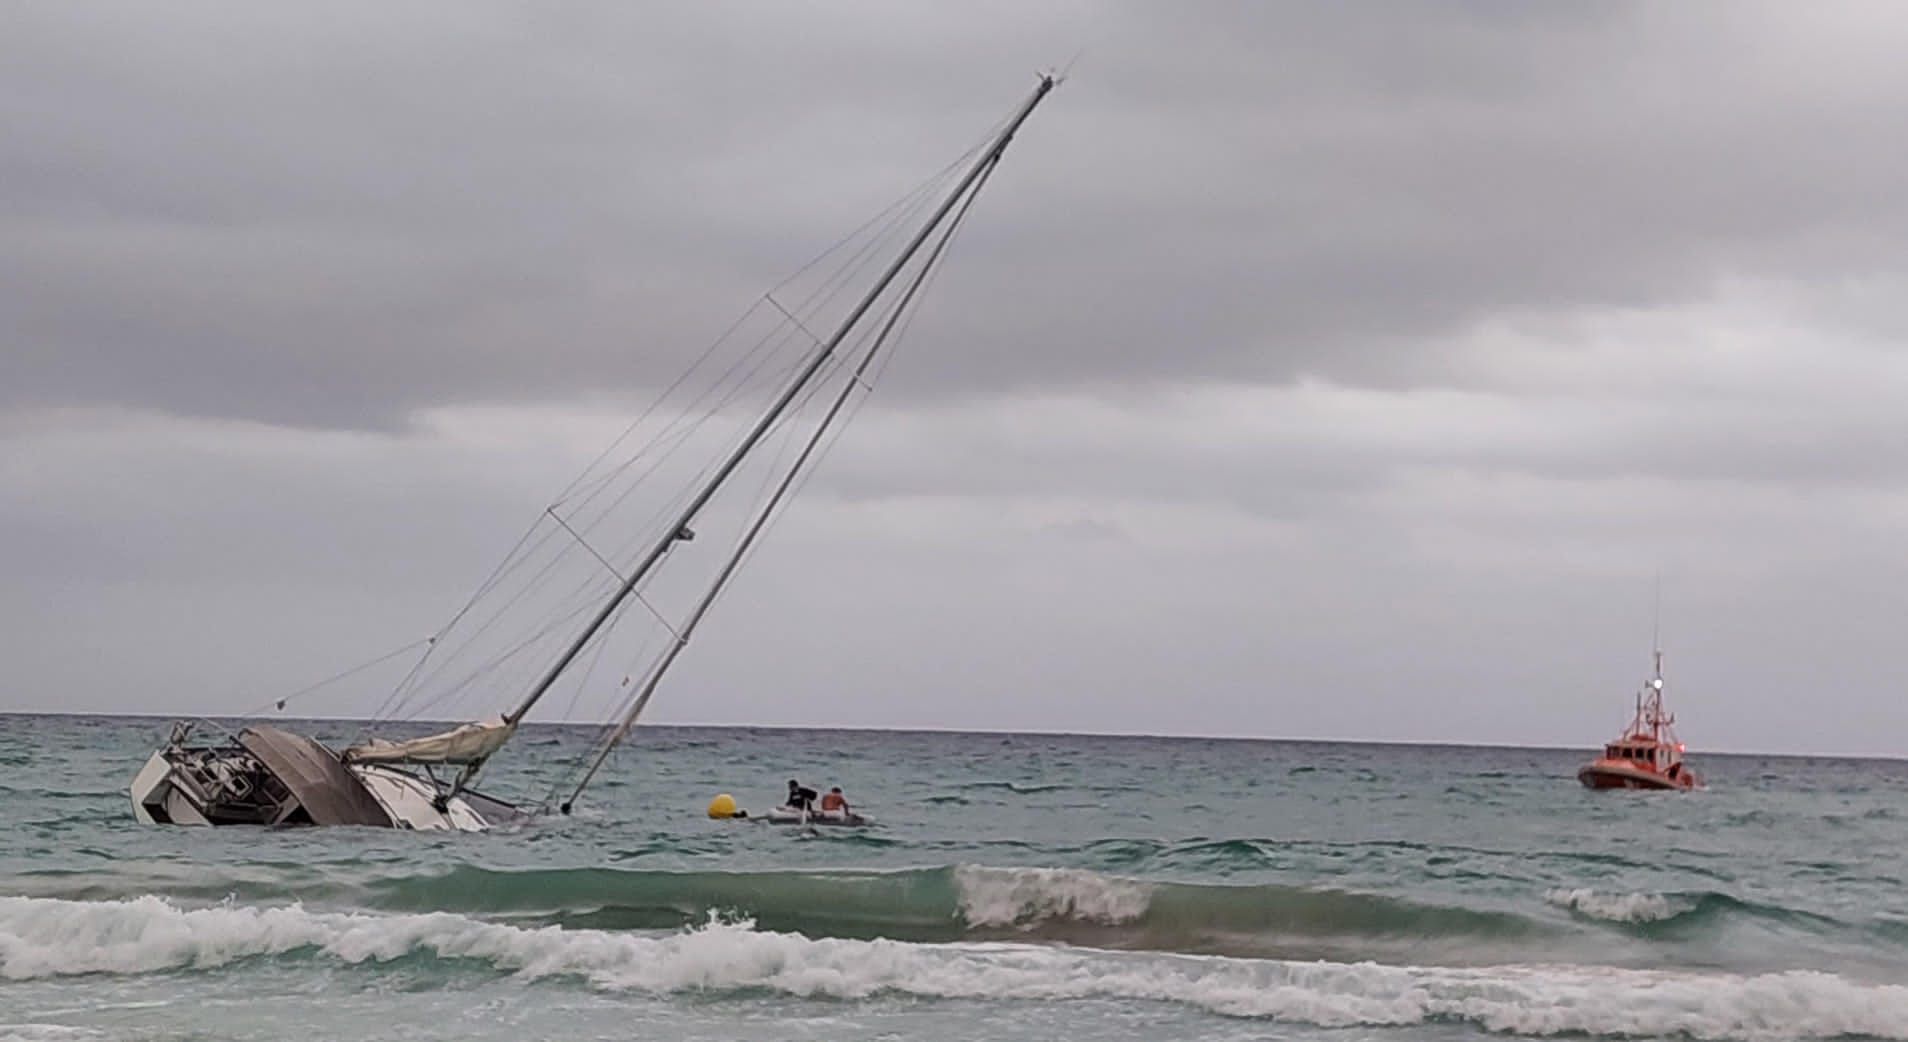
(403, 696)
(396, 701)
(596, 657)
(648, 532)
(796, 473)
(894, 216)
(899, 216)
(788, 330)
(675, 439)
(785, 431)
(280, 701)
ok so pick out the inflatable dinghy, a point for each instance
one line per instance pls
(791, 816)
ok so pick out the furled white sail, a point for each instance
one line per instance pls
(468, 743)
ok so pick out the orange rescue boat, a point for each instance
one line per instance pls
(1648, 756)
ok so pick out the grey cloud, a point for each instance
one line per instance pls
(207, 567)
(336, 220)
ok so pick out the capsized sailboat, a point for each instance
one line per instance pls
(266, 775)
(1648, 755)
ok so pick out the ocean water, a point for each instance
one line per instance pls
(1017, 887)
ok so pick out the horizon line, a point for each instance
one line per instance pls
(1031, 733)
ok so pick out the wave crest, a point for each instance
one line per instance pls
(1027, 897)
(1619, 908)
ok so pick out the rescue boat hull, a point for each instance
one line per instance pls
(1603, 774)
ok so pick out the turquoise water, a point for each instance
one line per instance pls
(1018, 887)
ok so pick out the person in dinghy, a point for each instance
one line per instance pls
(800, 808)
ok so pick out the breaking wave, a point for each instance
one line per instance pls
(967, 902)
(42, 938)
(1652, 914)
(1063, 905)
(1017, 897)
(1620, 908)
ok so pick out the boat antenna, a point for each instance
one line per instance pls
(680, 528)
(1656, 631)
(1654, 699)
(1067, 69)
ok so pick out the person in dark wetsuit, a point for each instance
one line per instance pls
(799, 798)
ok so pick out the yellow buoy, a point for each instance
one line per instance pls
(722, 806)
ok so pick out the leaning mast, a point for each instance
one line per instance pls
(680, 527)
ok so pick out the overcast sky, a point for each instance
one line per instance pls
(1308, 370)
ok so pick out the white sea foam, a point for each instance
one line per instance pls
(44, 1033)
(40, 938)
(1618, 908)
(1026, 897)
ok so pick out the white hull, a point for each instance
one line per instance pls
(180, 785)
(156, 801)
(411, 801)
